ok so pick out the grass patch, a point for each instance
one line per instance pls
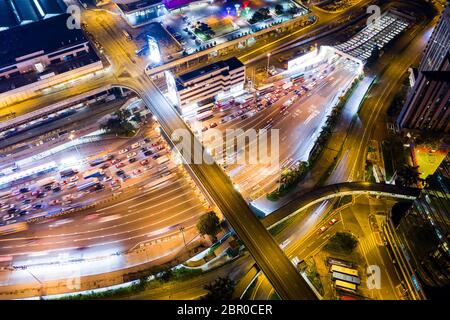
(290, 178)
(313, 275)
(281, 226)
(343, 201)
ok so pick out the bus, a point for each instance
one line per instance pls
(68, 172)
(345, 285)
(5, 195)
(46, 182)
(339, 262)
(87, 185)
(12, 228)
(298, 78)
(344, 270)
(96, 173)
(205, 115)
(344, 277)
(100, 160)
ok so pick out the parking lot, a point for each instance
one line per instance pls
(376, 34)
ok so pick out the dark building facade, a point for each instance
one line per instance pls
(420, 238)
(428, 103)
(439, 44)
(427, 106)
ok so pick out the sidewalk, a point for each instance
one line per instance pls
(109, 271)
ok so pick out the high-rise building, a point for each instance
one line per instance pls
(200, 88)
(427, 105)
(419, 239)
(439, 44)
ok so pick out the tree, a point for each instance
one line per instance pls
(118, 123)
(221, 289)
(342, 242)
(209, 224)
(408, 176)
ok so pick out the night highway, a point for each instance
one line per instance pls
(132, 164)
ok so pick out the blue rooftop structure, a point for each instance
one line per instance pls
(26, 39)
(19, 12)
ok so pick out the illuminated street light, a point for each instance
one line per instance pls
(72, 137)
(268, 63)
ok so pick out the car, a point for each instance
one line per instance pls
(116, 161)
(213, 125)
(26, 201)
(71, 185)
(56, 189)
(131, 155)
(7, 217)
(148, 153)
(104, 166)
(144, 162)
(120, 165)
(332, 221)
(149, 167)
(21, 197)
(204, 129)
(74, 178)
(116, 187)
(135, 145)
(125, 177)
(107, 178)
(144, 149)
(124, 151)
(120, 172)
(137, 172)
(54, 202)
(132, 160)
(23, 212)
(156, 156)
(41, 195)
(24, 190)
(322, 229)
(25, 207)
(37, 206)
(147, 140)
(91, 216)
(67, 202)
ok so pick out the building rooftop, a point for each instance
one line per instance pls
(232, 63)
(19, 12)
(22, 79)
(29, 38)
(137, 5)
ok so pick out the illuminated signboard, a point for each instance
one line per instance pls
(171, 88)
(153, 50)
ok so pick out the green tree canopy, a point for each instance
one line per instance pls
(209, 224)
(221, 289)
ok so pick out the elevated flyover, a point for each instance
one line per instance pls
(270, 258)
(307, 199)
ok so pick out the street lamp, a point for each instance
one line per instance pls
(184, 239)
(71, 137)
(268, 63)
